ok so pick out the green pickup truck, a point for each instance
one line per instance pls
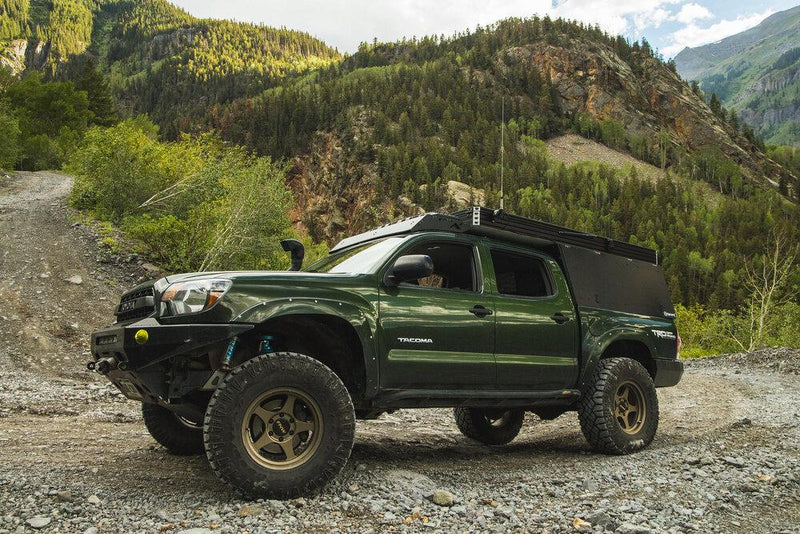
(485, 312)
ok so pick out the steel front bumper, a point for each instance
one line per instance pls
(668, 372)
(128, 355)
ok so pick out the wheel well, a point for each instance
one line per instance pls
(327, 338)
(635, 350)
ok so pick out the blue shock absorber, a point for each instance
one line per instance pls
(266, 344)
(226, 361)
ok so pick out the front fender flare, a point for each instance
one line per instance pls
(362, 320)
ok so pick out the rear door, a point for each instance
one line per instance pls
(537, 333)
(438, 332)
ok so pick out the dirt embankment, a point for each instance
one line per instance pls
(75, 457)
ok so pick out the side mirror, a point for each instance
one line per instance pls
(297, 251)
(411, 267)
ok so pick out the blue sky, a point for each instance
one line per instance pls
(669, 25)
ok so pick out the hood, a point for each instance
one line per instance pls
(258, 276)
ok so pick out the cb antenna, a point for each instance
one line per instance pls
(502, 151)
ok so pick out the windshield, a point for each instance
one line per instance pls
(359, 260)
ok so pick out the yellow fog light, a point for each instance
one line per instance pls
(141, 337)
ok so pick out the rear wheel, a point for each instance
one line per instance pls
(280, 425)
(179, 436)
(618, 410)
(489, 425)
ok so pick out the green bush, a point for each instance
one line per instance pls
(195, 205)
(9, 126)
(38, 153)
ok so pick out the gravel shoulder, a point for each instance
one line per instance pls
(75, 456)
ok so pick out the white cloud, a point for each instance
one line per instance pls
(346, 23)
(692, 12)
(692, 35)
(615, 17)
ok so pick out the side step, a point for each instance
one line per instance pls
(434, 398)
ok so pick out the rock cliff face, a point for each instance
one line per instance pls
(592, 79)
(13, 56)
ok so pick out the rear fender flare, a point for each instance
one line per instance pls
(595, 346)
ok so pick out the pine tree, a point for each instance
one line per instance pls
(715, 104)
(101, 104)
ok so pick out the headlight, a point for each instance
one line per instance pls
(194, 296)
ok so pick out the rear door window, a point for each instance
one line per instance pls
(521, 275)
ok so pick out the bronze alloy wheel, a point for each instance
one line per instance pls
(189, 424)
(630, 407)
(491, 426)
(282, 429)
(498, 418)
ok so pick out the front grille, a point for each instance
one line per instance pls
(136, 305)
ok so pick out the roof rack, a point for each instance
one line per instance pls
(504, 226)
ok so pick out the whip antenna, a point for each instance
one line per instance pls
(502, 151)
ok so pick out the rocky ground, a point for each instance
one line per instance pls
(75, 457)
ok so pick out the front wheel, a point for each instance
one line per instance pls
(180, 436)
(618, 410)
(491, 426)
(280, 425)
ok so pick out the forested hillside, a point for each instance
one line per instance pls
(756, 74)
(390, 131)
(160, 60)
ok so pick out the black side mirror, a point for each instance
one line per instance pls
(297, 250)
(411, 267)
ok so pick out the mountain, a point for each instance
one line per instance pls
(755, 73)
(396, 116)
(159, 59)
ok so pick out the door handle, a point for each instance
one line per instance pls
(480, 311)
(559, 318)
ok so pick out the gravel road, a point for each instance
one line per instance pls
(75, 457)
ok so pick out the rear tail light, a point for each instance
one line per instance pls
(678, 344)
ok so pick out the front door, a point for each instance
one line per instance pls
(438, 332)
(537, 344)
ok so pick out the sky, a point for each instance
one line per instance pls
(669, 25)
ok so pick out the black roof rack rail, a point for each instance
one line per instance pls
(503, 226)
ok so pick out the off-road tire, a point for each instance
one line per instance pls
(475, 424)
(179, 437)
(596, 409)
(244, 385)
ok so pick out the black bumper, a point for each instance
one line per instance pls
(668, 372)
(131, 364)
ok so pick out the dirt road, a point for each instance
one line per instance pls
(74, 456)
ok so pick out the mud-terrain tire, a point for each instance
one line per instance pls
(179, 436)
(618, 409)
(279, 426)
(488, 425)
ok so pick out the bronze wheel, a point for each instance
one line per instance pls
(282, 428)
(178, 434)
(492, 426)
(498, 418)
(280, 425)
(618, 408)
(629, 407)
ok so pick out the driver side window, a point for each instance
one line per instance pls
(453, 266)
